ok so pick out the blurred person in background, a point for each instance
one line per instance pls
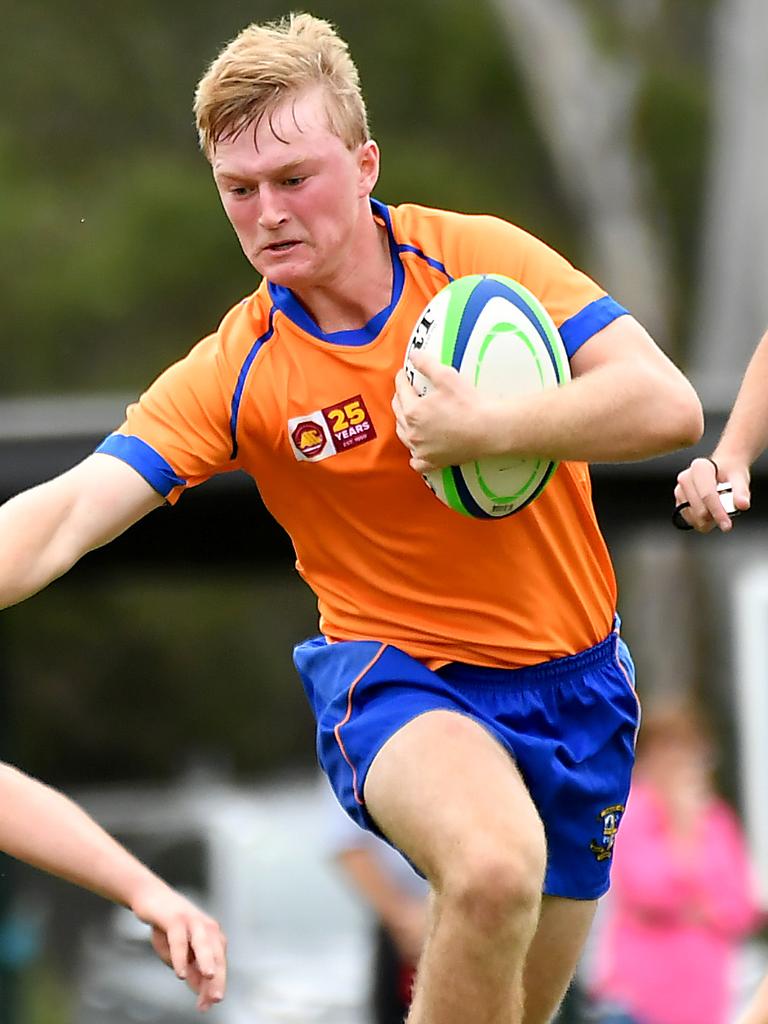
(474, 699)
(397, 897)
(683, 894)
(42, 827)
(744, 438)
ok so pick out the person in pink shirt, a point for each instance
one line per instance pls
(683, 895)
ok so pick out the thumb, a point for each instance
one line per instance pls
(739, 481)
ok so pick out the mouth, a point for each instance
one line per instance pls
(281, 247)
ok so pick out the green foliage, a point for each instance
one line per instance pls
(673, 127)
(129, 677)
(122, 258)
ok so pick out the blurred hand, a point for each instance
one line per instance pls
(698, 485)
(186, 939)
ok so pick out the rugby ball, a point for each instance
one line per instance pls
(499, 336)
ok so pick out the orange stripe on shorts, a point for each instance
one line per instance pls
(337, 728)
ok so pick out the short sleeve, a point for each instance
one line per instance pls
(178, 434)
(578, 305)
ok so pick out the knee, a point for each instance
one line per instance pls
(496, 887)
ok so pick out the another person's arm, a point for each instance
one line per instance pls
(626, 401)
(403, 914)
(41, 826)
(45, 530)
(745, 436)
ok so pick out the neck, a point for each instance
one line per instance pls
(359, 288)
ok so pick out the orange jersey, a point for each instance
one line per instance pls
(308, 416)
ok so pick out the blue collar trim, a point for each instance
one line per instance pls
(284, 299)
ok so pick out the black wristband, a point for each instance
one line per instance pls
(677, 517)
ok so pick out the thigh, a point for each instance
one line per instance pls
(443, 782)
(572, 725)
(362, 693)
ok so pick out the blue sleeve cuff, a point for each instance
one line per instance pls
(144, 459)
(588, 321)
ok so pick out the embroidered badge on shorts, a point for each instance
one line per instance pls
(325, 432)
(610, 817)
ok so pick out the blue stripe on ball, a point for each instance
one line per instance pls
(470, 505)
(488, 288)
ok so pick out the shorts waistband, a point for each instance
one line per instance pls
(545, 671)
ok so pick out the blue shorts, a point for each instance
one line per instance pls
(570, 725)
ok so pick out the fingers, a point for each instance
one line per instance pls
(405, 405)
(196, 950)
(698, 500)
(178, 947)
(209, 948)
(426, 364)
(207, 963)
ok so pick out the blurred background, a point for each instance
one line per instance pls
(629, 134)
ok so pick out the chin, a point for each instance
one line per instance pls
(286, 277)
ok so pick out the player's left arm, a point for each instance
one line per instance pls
(627, 401)
(625, 386)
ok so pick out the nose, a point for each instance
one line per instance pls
(272, 212)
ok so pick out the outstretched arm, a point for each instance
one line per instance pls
(45, 530)
(744, 438)
(41, 826)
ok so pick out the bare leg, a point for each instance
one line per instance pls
(554, 953)
(757, 1011)
(451, 798)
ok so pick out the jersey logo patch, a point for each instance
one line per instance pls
(318, 435)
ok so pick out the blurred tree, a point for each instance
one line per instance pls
(198, 667)
(620, 91)
(586, 99)
(121, 256)
(732, 308)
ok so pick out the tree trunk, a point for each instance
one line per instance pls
(585, 100)
(733, 305)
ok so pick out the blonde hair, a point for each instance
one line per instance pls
(264, 65)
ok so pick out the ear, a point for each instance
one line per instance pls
(368, 162)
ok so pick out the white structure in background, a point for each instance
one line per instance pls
(585, 98)
(750, 633)
(733, 301)
(256, 858)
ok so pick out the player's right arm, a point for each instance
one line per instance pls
(745, 436)
(46, 529)
(43, 827)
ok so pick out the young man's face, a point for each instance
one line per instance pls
(294, 193)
